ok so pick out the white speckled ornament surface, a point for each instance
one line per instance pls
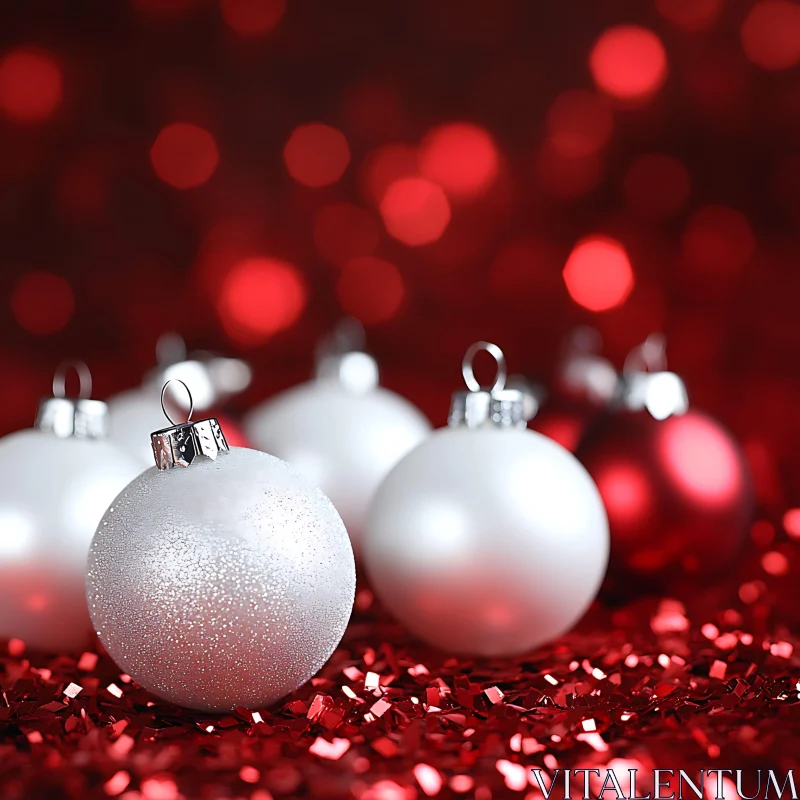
(343, 442)
(227, 583)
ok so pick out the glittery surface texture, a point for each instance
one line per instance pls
(227, 583)
(711, 682)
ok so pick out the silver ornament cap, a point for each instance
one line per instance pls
(182, 444)
(79, 416)
(647, 385)
(341, 359)
(496, 406)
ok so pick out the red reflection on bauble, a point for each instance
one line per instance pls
(677, 492)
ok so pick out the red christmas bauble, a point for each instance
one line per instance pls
(234, 434)
(677, 491)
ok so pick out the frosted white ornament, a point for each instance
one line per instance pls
(488, 539)
(56, 481)
(135, 413)
(228, 583)
(341, 430)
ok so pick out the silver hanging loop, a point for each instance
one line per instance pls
(495, 406)
(188, 392)
(469, 374)
(78, 417)
(84, 376)
(183, 443)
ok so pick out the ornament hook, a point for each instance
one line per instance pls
(170, 349)
(469, 375)
(84, 376)
(191, 400)
(649, 356)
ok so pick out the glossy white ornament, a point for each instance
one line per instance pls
(342, 431)
(54, 488)
(487, 539)
(225, 583)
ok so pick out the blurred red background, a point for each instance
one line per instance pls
(249, 171)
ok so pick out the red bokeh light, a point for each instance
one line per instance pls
(566, 178)
(415, 211)
(691, 15)
(261, 297)
(525, 266)
(371, 290)
(461, 157)
(343, 231)
(316, 154)
(184, 155)
(718, 240)
(386, 165)
(580, 123)
(42, 303)
(657, 186)
(598, 273)
(629, 62)
(771, 34)
(252, 17)
(700, 458)
(30, 85)
(791, 522)
(162, 8)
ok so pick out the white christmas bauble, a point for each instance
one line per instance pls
(133, 416)
(225, 583)
(53, 492)
(343, 441)
(487, 541)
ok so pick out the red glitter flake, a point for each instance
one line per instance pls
(117, 783)
(428, 778)
(249, 774)
(87, 662)
(331, 750)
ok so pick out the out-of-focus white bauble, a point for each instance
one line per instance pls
(53, 492)
(226, 583)
(343, 441)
